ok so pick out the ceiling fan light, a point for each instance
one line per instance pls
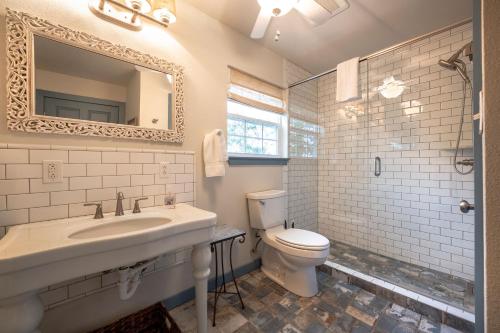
(143, 6)
(164, 10)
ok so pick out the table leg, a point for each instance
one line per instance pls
(232, 272)
(201, 258)
(216, 290)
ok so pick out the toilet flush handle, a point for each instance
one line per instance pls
(262, 202)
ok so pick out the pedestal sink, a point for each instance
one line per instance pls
(34, 256)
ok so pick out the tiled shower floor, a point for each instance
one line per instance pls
(443, 287)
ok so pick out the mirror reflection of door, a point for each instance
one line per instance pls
(79, 107)
(75, 83)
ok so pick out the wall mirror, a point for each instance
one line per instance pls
(68, 82)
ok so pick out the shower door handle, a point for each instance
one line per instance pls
(378, 166)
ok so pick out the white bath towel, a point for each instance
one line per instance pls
(215, 154)
(347, 80)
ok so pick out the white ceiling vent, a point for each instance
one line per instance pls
(318, 12)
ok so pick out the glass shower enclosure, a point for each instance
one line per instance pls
(376, 175)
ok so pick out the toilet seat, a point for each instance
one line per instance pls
(302, 239)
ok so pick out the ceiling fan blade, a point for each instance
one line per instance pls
(260, 27)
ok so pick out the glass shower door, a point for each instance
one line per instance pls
(343, 157)
(414, 112)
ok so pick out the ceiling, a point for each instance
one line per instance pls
(66, 59)
(367, 26)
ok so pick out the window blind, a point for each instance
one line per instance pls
(249, 90)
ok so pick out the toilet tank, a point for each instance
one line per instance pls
(266, 209)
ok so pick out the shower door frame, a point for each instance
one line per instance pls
(478, 173)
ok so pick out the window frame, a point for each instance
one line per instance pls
(255, 159)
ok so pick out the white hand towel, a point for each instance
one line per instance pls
(347, 80)
(215, 154)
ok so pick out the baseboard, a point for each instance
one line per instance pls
(188, 294)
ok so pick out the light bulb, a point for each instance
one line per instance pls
(164, 10)
(142, 6)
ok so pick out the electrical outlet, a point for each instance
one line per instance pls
(52, 171)
(163, 169)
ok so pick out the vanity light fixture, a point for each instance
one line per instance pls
(128, 13)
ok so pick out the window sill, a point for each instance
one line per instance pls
(243, 160)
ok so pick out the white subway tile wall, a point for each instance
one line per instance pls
(301, 173)
(410, 212)
(89, 174)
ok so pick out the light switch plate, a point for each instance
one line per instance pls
(163, 170)
(52, 171)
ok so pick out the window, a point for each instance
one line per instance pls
(255, 132)
(256, 119)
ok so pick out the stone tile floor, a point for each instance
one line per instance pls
(437, 285)
(338, 307)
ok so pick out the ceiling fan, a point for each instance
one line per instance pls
(316, 12)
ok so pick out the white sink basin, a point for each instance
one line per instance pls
(135, 223)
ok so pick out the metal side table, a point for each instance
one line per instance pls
(225, 233)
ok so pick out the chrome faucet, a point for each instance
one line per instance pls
(119, 204)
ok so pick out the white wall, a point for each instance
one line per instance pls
(133, 98)
(154, 99)
(79, 86)
(205, 47)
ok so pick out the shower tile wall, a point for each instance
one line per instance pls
(411, 211)
(302, 170)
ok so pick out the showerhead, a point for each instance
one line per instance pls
(447, 64)
(450, 63)
(454, 63)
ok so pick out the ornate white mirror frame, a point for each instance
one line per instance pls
(21, 30)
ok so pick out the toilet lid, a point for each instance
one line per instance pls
(303, 239)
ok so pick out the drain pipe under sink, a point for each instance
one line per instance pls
(131, 277)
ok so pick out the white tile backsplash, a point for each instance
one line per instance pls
(80, 183)
(14, 186)
(20, 171)
(25, 198)
(39, 155)
(12, 156)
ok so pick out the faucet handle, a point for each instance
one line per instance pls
(120, 196)
(137, 209)
(98, 209)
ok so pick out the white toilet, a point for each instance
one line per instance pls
(290, 255)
